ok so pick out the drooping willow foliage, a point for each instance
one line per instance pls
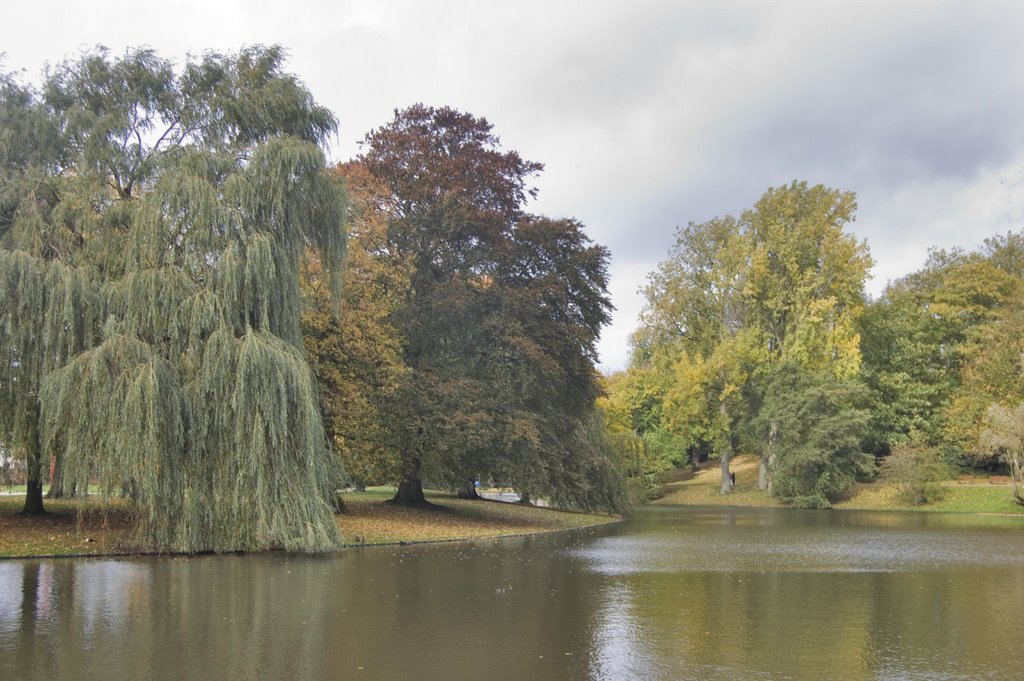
(151, 233)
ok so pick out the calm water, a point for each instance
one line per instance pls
(673, 594)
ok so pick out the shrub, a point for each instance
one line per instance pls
(918, 470)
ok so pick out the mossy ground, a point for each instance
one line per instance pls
(977, 495)
(368, 519)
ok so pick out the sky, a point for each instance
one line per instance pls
(649, 115)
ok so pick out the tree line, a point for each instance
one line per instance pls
(202, 315)
(757, 337)
(199, 314)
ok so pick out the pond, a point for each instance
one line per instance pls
(675, 593)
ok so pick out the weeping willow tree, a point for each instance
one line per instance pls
(150, 241)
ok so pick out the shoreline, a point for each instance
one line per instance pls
(76, 529)
(368, 521)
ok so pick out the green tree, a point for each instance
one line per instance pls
(739, 297)
(905, 370)
(805, 287)
(821, 422)
(942, 344)
(29, 148)
(149, 295)
(695, 297)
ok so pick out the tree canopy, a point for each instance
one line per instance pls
(737, 299)
(757, 337)
(500, 319)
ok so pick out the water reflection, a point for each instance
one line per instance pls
(10, 599)
(747, 595)
(111, 594)
(675, 594)
(675, 540)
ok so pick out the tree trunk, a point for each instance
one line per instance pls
(726, 473)
(1016, 473)
(34, 498)
(56, 490)
(524, 498)
(410, 489)
(726, 453)
(26, 652)
(764, 471)
(34, 473)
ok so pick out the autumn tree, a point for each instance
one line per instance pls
(544, 309)
(740, 297)
(633, 408)
(354, 347)
(149, 293)
(805, 288)
(942, 344)
(706, 404)
(500, 319)
(693, 333)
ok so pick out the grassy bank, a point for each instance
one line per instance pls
(703, 489)
(368, 519)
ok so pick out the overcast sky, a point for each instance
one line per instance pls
(650, 115)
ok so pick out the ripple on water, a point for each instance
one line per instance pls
(804, 544)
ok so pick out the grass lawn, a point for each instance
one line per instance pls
(368, 519)
(957, 498)
(703, 489)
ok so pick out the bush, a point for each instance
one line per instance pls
(918, 470)
(820, 422)
(815, 501)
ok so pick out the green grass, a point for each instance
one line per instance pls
(704, 488)
(969, 496)
(956, 498)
